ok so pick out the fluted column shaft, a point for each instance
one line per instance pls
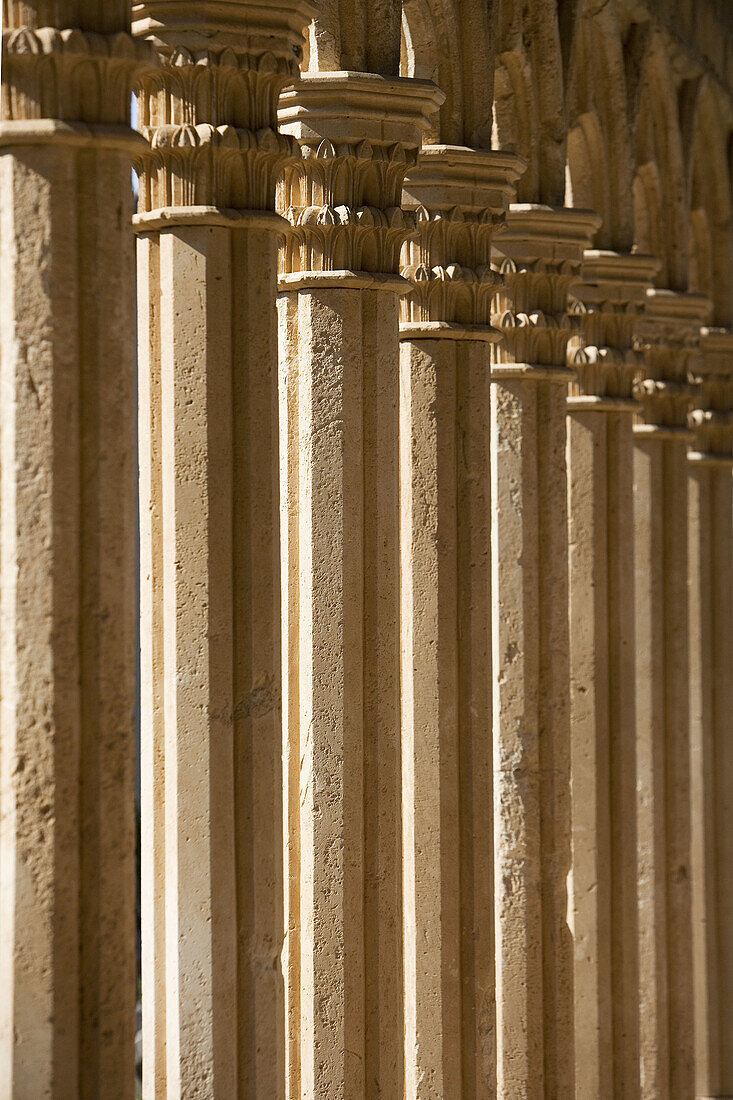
(67, 555)
(668, 339)
(459, 194)
(339, 325)
(213, 997)
(602, 715)
(540, 257)
(711, 711)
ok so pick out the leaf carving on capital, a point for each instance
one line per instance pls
(71, 75)
(668, 339)
(532, 310)
(448, 262)
(712, 417)
(604, 358)
(207, 165)
(343, 200)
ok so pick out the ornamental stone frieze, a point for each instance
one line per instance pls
(210, 111)
(459, 197)
(540, 258)
(359, 135)
(609, 301)
(712, 417)
(669, 339)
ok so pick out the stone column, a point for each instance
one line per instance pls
(668, 337)
(540, 257)
(459, 195)
(213, 996)
(711, 711)
(67, 553)
(359, 133)
(602, 715)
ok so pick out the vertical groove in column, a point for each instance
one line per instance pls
(476, 877)
(256, 656)
(600, 496)
(459, 195)
(332, 647)
(668, 336)
(339, 264)
(196, 419)
(290, 340)
(152, 749)
(711, 706)
(207, 193)
(541, 254)
(67, 907)
(382, 742)
(432, 837)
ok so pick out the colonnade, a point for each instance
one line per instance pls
(435, 613)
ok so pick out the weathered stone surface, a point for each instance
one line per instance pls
(67, 563)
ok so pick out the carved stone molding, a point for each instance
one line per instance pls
(359, 135)
(712, 418)
(539, 257)
(69, 74)
(458, 196)
(668, 337)
(609, 301)
(209, 112)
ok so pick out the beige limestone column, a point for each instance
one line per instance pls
(711, 711)
(602, 714)
(539, 257)
(67, 554)
(213, 994)
(459, 194)
(668, 337)
(340, 289)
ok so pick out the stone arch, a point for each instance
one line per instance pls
(451, 43)
(430, 50)
(648, 201)
(363, 36)
(588, 183)
(710, 220)
(598, 131)
(515, 122)
(657, 145)
(528, 97)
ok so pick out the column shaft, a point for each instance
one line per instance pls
(446, 718)
(446, 621)
(602, 712)
(541, 251)
(213, 991)
(711, 706)
(662, 671)
(339, 325)
(67, 559)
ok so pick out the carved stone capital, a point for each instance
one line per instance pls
(458, 197)
(539, 256)
(210, 111)
(668, 336)
(609, 302)
(70, 74)
(712, 417)
(359, 134)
